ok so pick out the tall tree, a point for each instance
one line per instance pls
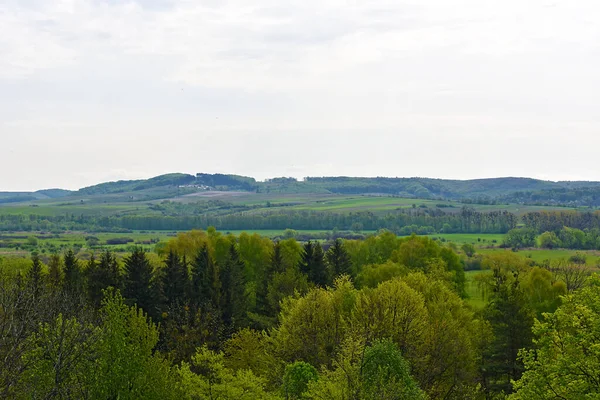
(206, 284)
(101, 275)
(338, 259)
(72, 282)
(511, 320)
(55, 273)
(272, 268)
(174, 279)
(233, 297)
(313, 265)
(138, 284)
(35, 277)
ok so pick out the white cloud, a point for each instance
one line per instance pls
(407, 73)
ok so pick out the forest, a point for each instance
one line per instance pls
(217, 316)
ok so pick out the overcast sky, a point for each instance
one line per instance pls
(97, 90)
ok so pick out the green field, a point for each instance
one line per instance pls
(476, 298)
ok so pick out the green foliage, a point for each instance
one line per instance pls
(565, 361)
(127, 366)
(520, 238)
(296, 379)
(207, 377)
(468, 249)
(386, 375)
(139, 286)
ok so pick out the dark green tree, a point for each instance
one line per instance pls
(138, 285)
(262, 292)
(35, 277)
(206, 284)
(174, 280)
(313, 264)
(338, 259)
(55, 273)
(233, 291)
(102, 275)
(72, 281)
(511, 320)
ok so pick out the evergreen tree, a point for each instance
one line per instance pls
(102, 275)
(72, 281)
(138, 285)
(233, 294)
(206, 285)
(313, 265)
(174, 280)
(35, 277)
(262, 292)
(307, 258)
(338, 259)
(55, 274)
(511, 321)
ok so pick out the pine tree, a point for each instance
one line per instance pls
(233, 297)
(312, 264)
(174, 280)
(138, 285)
(307, 258)
(274, 267)
(55, 274)
(511, 320)
(35, 277)
(206, 285)
(318, 272)
(338, 259)
(72, 280)
(102, 275)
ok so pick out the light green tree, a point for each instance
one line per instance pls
(565, 363)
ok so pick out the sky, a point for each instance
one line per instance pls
(101, 90)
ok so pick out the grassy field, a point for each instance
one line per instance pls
(476, 298)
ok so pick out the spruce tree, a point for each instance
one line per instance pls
(55, 274)
(102, 275)
(275, 266)
(138, 285)
(174, 280)
(206, 284)
(35, 277)
(338, 259)
(72, 277)
(233, 297)
(307, 258)
(312, 264)
(318, 273)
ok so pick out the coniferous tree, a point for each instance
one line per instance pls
(72, 277)
(511, 320)
(313, 265)
(55, 274)
(274, 267)
(138, 286)
(318, 273)
(233, 294)
(174, 280)
(338, 259)
(206, 284)
(35, 277)
(101, 275)
(307, 258)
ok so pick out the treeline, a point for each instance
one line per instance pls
(553, 221)
(247, 318)
(572, 197)
(402, 222)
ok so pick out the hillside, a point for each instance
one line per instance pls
(508, 190)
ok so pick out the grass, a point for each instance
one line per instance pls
(476, 298)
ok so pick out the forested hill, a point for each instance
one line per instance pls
(511, 190)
